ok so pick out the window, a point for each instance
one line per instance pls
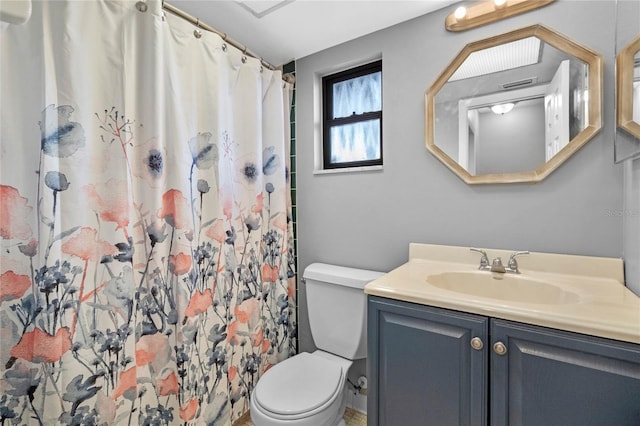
(352, 132)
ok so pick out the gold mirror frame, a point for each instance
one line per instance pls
(624, 87)
(557, 40)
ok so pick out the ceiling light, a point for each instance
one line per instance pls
(502, 108)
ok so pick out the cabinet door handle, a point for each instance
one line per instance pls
(500, 348)
(476, 343)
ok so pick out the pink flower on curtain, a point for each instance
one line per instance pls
(153, 349)
(226, 199)
(189, 410)
(106, 408)
(13, 286)
(257, 208)
(233, 372)
(127, 385)
(168, 385)
(175, 209)
(180, 263)
(232, 333)
(248, 312)
(86, 246)
(110, 200)
(257, 338)
(266, 344)
(280, 222)
(14, 214)
(291, 287)
(40, 346)
(217, 231)
(199, 303)
(270, 273)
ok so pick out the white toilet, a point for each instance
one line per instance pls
(309, 388)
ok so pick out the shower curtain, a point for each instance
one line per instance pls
(147, 265)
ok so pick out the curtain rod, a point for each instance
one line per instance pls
(199, 24)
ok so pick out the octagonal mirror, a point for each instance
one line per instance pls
(514, 107)
(628, 90)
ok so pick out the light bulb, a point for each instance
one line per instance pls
(499, 3)
(502, 108)
(460, 12)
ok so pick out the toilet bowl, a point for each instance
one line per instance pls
(308, 389)
(304, 390)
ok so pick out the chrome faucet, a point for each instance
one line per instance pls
(484, 260)
(512, 266)
(497, 265)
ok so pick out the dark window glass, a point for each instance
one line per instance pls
(352, 119)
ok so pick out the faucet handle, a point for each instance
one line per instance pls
(513, 263)
(484, 260)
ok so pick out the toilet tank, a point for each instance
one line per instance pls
(337, 308)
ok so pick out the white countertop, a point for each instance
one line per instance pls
(604, 306)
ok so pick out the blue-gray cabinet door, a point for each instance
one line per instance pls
(422, 368)
(555, 378)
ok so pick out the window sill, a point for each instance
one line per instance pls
(348, 170)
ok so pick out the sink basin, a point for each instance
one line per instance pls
(507, 287)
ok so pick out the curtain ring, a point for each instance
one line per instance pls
(141, 6)
(224, 47)
(197, 33)
(244, 55)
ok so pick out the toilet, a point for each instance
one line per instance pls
(308, 389)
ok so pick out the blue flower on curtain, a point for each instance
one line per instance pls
(270, 161)
(250, 171)
(60, 136)
(204, 153)
(154, 162)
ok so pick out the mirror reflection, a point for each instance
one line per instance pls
(510, 111)
(636, 88)
(515, 113)
(627, 42)
(628, 90)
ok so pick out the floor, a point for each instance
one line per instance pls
(351, 417)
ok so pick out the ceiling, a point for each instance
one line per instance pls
(282, 30)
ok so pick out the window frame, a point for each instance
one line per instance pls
(328, 82)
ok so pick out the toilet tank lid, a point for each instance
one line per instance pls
(340, 275)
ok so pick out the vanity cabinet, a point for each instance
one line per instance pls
(433, 366)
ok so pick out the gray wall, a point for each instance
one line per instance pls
(512, 142)
(367, 219)
(631, 217)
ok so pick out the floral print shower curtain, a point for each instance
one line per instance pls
(146, 272)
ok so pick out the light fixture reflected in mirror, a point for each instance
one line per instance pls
(501, 109)
(485, 12)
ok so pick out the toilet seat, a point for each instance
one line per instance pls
(300, 387)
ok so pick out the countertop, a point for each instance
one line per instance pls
(604, 306)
